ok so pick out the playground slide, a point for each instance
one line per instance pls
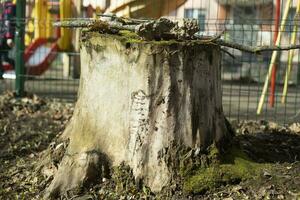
(37, 57)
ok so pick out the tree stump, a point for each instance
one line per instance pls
(137, 101)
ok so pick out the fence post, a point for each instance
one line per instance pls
(20, 46)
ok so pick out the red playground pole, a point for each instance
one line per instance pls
(273, 78)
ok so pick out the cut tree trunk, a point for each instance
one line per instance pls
(138, 100)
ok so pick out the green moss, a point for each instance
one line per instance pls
(213, 152)
(186, 165)
(234, 167)
(189, 162)
(131, 37)
(129, 34)
(123, 178)
(166, 42)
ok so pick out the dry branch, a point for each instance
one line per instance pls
(255, 50)
(130, 24)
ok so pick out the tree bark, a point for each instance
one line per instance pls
(137, 101)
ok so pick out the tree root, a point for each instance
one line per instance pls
(78, 170)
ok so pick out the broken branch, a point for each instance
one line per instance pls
(255, 50)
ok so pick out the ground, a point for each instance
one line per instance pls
(263, 164)
(28, 126)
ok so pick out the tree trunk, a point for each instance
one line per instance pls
(137, 101)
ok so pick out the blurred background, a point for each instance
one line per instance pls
(50, 66)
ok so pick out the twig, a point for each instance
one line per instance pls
(217, 37)
(209, 39)
(250, 49)
(127, 20)
(255, 50)
(79, 23)
(93, 23)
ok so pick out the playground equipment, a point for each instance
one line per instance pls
(273, 59)
(291, 55)
(46, 40)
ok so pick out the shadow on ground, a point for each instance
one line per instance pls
(271, 147)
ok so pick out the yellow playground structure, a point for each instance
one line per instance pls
(43, 41)
(43, 13)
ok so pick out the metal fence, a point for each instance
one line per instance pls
(247, 22)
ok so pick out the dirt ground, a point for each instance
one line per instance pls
(29, 132)
(28, 126)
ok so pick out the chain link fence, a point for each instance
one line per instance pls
(52, 60)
